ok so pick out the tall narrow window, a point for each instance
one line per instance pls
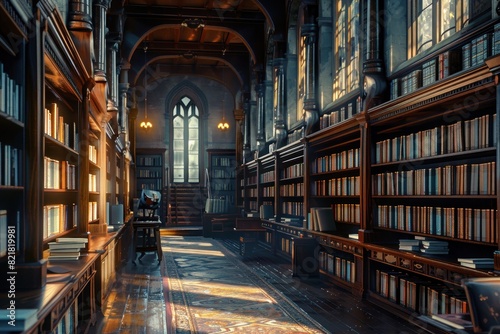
(346, 47)
(186, 142)
(431, 21)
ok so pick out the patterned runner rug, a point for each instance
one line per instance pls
(209, 290)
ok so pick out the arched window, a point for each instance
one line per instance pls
(186, 141)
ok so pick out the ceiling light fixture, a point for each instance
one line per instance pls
(193, 23)
(145, 124)
(223, 124)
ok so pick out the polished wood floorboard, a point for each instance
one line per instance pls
(136, 303)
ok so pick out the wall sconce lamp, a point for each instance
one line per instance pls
(145, 124)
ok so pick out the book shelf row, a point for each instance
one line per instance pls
(459, 223)
(151, 161)
(11, 96)
(419, 295)
(336, 161)
(457, 137)
(58, 218)
(149, 173)
(11, 165)
(344, 186)
(466, 179)
(342, 268)
(59, 127)
(59, 174)
(337, 116)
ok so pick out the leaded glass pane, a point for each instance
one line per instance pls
(424, 26)
(448, 19)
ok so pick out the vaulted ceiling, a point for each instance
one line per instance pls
(220, 39)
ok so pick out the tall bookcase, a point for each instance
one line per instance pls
(13, 125)
(421, 166)
(222, 172)
(150, 173)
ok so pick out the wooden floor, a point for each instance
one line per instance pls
(136, 300)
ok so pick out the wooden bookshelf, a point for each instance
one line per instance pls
(222, 172)
(421, 165)
(150, 172)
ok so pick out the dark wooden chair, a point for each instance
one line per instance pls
(483, 296)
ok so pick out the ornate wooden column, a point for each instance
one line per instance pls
(280, 131)
(373, 67)
(261, 140)
(311, 113)
(99, 10)
(112, 77)
(80, 28)
(247, 152)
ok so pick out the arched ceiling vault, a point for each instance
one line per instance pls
(196, 37)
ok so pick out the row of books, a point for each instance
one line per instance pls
(293, 208)
(337, 116)
(222, 186)
(267, 176)
(252, 180)
(424, 246)
(477, 263)
(466, 179)
(286, 245)
(296, 170)
(93, 154)
(294, 189)
(11, 96)
(250, 192)
(321, 219)
(93, 185)
(418, 294)
(449, 62)
(223, 173)
(295, 135)
(56, 127)
(10, 165)
(152, 184)
(93, 211)
(342, 268)
(475, 52)
(336, 161)
(58, 218)
(223, 162)
(217, 205)
(65, 249)
(146, 173)
(268, 191)
(344, 186)
(347, 213)
(59, 174)
(460, 223)
(457, 137)
(150, 161)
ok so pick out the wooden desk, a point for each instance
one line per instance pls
(69, 292)
(249, 230)
(150, 243)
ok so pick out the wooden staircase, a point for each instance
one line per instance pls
(186, 203)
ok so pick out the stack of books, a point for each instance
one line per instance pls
(477, 262)
(434, 247)
(413, 245)
(64, 249)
